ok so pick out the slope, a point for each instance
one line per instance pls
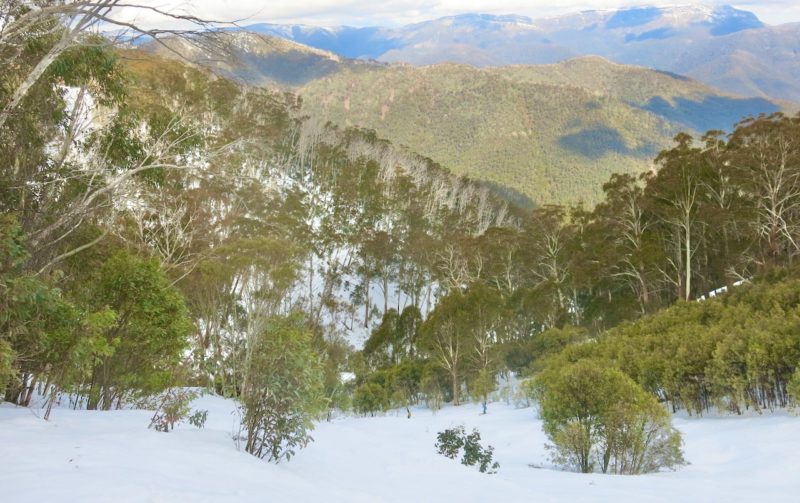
(553, 132)
(93, 456)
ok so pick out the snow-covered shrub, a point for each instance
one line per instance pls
(451, 441)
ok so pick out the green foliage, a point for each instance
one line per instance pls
(198, 418)
(338, 392)
(370, 398)
(738, 351)
(7, 357)
(451, 441)
(554, 132)
(175, 406)
(462, 325)
(40, 329)
(482, 385)
(793, 387)
(282, 393)
(433, 386)
(523, 354)
(596, 416)
(148, 335)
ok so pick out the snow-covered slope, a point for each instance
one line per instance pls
(85, 456)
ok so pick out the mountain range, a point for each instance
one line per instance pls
(723, 46)
(549, 133)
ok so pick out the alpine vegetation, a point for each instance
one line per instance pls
(203, 276)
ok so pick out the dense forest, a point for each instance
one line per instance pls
(164, 227)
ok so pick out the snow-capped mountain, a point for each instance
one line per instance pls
(724, 46)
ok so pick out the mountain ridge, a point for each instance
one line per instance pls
(553, 132)
(697, 40)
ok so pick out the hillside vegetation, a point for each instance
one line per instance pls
(165, 230)
(553, 132)
(548, 133)
(723, 46)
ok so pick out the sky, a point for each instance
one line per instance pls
(398, 12)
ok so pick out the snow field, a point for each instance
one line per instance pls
(90, 456)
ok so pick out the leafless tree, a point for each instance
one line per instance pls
(73, 21)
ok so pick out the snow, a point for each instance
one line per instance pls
(91, 456)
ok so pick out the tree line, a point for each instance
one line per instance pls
(165, 227)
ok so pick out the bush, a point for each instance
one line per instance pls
(7, 372)
(432, 387)
(481, 386)
(370, 398)
(148, 335)
(174, 407)
(522, 355)
(794, 388)
(198, 418)
(283, 390)
(525, 393)
(450, 442)
(596, 416)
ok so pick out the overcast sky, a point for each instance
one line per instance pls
(396, 12)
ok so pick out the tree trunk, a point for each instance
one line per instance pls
(456, 387)
(688, 259)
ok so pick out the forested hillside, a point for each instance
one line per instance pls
(166, 231)
(723, 46)
(136, 228)
(554, 133)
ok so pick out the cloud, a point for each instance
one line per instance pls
(774, 12)
(397, 12)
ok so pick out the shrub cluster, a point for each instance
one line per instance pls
(451, 441)
(598, 418)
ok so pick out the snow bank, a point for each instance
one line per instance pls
(89, 456)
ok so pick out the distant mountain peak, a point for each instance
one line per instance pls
(718, 44)
(478, 18)
(259, 43)
(727, 20)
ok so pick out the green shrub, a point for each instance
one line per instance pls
(481, 386)
(6, 364)
(283, 391)
(174, 407)
(794, 388)
(370, 398)
(597, 417)
(451, 441)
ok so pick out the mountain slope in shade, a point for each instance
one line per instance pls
(256, 59)
(723, 46)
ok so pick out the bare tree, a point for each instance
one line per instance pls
(73, 21)
(766, 156)
(164, 150)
